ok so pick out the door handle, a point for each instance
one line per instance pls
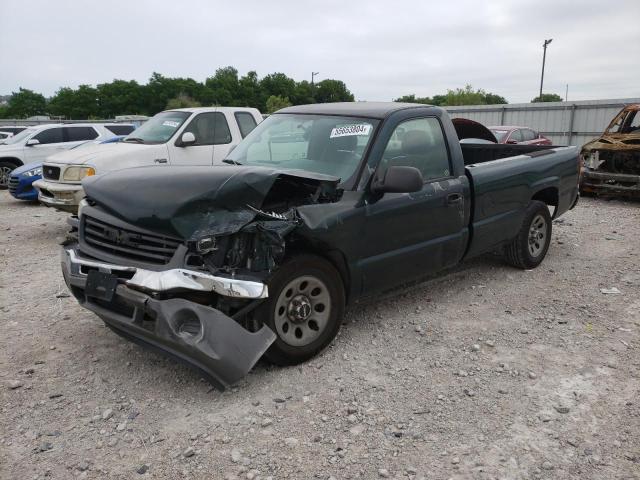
(454, 198)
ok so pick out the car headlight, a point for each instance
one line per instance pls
(75, 174)
(33, 172)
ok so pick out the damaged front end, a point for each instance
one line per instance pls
(612, 162)
(184, 274)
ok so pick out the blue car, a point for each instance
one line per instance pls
(22, 178)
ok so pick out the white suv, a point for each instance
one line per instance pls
(35, 144)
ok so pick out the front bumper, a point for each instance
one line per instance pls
(201, 336)
(21, 187)
(62, 196)
(610, 183)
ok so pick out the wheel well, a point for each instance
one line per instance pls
(16, 161)
(335, 257)
(547, 195)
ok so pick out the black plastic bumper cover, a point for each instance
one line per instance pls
(200, 336)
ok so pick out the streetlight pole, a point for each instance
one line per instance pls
(544, 57)
(313, 74)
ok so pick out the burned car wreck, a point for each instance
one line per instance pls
(319, 206)
(612, 161)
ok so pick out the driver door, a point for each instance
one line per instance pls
(209, 129)
(411, 235)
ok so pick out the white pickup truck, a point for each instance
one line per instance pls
(186, 136)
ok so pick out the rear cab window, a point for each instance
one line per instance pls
(50, 135)
(246, 123)
(79, 134)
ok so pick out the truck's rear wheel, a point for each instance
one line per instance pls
(531, 244)
(304, 309)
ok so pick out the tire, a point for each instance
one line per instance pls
(530, 246)
(5, 171)
(304, 308)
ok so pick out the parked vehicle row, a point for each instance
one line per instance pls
(22, 178)
(319, 206)
(34, 144)
(190, 136)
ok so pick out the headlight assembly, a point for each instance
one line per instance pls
(33, 172)
(75, 174)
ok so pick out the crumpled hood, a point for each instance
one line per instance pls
(180, 201)
(98, 153)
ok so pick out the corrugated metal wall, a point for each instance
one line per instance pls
(565, 123)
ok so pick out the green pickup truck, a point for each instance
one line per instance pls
(318, 207)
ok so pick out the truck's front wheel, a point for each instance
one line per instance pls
(530, 246)
(304, 309)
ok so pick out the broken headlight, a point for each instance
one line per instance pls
(206, 244)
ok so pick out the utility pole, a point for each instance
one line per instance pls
(313, 74)
(544, 57)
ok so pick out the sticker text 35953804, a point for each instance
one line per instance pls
(349, 130)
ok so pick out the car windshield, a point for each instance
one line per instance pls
(158, 129)
(500, 134)
(18, 136)
(330, 145)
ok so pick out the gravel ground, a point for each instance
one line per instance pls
(486, 372)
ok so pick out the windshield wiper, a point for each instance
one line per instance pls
(231, 162)
(134, 139)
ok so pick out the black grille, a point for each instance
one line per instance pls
(13, 184)
(50, 173)
(126, 243)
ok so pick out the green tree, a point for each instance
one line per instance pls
(303, 93)
(413, 99)
(332, 91)
(276, 84)
(547, 97)
(26, 103)
(182, 101)
(4, 111)
(224, 86)
(276, 102)
(459, 96)
(122, 97)
(77, 104)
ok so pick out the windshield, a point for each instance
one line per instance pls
(500, 134)
(329, 145)
(158, 129)
(19, 136)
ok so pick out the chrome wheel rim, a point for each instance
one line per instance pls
(537, 235)
(302, 311)
(5, 173)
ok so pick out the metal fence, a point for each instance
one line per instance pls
(564, 123)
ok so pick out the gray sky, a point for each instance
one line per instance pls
(380, 49)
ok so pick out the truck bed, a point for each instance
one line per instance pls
(481, 153)
(503, 184)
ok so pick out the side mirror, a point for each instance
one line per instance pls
(399, 179)
(512, 142)
(32, 141)
(187, 139)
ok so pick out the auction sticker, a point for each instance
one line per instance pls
(350, 130)
(170, 123)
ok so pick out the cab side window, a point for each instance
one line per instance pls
(516, 136)
(51, 135)
(418, 143)
(209, 129)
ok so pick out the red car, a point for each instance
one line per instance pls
(519, 135)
